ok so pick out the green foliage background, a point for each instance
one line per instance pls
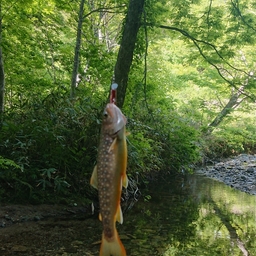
(48, 143)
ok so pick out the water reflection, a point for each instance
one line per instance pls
(194, 216)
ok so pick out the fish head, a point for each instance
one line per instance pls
(113, 119)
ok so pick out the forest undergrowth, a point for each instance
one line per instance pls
(48, 148)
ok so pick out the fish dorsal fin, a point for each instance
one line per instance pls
(94, 178)
(113, 145)
(125, 181)
(119, 215)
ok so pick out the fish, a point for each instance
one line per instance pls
(109, 176)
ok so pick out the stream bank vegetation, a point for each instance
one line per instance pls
(187, 88)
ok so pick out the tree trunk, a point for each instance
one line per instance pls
(232, 231)
(127, 46)
(2, 80)
(232, 104)
(1, 84)
(77, 50)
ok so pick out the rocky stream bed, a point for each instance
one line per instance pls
(238, 172)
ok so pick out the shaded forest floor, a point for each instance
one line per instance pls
(48, 230)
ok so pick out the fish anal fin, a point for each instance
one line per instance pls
(119, 215)
(125, 181)
(94, 178)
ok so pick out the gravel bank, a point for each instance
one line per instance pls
(238, 172)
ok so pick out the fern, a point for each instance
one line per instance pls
(7, 163)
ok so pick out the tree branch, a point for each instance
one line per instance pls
(208, 15)
(144, 79)
(236, 7)
(7, 10)
(196, 42)
(77, 49)
(104, 9)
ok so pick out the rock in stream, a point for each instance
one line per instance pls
(238, 172)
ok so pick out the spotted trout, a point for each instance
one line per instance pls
(109, 175)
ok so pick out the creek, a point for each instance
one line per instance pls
(193, 216)
(190, 215)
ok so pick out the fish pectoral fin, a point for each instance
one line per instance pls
(94, 178)
(100, 217)
(119, 215)
(125, 181)
(113, 145)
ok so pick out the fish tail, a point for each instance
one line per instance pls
(113, 247)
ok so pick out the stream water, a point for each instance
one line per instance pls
(192, 216)
(186, 216)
